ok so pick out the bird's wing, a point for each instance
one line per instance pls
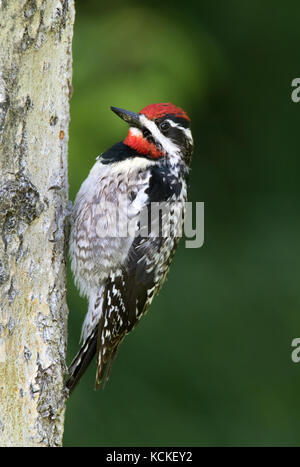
(129, 292)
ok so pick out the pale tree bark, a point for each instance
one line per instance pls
(35, 86)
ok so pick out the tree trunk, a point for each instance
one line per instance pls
(35, 87)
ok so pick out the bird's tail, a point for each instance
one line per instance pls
(82, 360)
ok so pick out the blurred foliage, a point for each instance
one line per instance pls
(210, 363)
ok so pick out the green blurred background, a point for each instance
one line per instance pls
(210, 364)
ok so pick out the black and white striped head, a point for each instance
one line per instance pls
(158, 131)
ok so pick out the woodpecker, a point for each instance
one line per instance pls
(120, 273)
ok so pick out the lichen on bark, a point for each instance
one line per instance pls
(35, 77)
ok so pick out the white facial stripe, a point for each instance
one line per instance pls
(167, 145)
(135, 131)
(186, 131)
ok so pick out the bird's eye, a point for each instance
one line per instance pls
(164, 126)
(146, 133)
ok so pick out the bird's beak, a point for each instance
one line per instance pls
(129, 117)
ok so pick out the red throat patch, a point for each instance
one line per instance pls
(154, 111)
(142, 146)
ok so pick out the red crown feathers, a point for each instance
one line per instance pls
(154, 111)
